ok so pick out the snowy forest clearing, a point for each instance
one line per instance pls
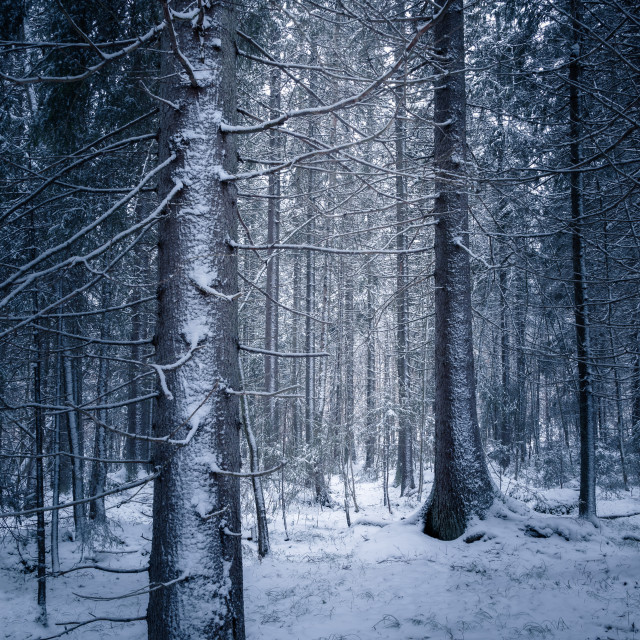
(381, 578)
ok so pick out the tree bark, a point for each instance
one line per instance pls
(77, 476)
(371, 428)
(97, 512)
(587, 498)
(271, 338)
(462, 486)
(196, 513)
(404, 468)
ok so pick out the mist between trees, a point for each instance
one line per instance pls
(273, 240)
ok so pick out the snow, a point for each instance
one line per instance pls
(195, 330)
(201, 501)
(516, 574)
(221, 173)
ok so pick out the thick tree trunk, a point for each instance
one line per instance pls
(462, 486)
(587, 499)
(196, 561)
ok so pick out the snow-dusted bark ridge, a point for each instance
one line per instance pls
(196, 520)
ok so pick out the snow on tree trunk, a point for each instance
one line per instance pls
(196, 561)
(587, 499)
(462, 486)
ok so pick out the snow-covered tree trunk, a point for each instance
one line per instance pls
(587, 499)
(462, 486)
(196, 563)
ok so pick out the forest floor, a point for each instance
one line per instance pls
(516, 574)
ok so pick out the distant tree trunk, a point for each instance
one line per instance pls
(309, 344)
(296, 423)
(256, 481)
(506, 412)
(462, 486)
(404, 468)
(271, 365)
(386, 441)
(587, 499)
(196, 556)
(635, 402)
(370, 419)
(77, 479)
(145, 419)
(316, 472)
(349, 365)
(520, 320)
(133, 408)
(57, 443)
(97, 483)
(612, 346)
(338, 422)
(36, 365)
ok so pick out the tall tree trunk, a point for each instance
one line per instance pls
(77, 476)
(271, 364)
(309, 344)
(520, 323)
(462, 486)
(587, 498)
(36, 365)
(133, 408)
(196, 559)
(505, 365)
(612, 346)
(55, 472)
(404, 468)
(98, 480)
(256, 481)
(370, 419)
(635, 393)
(349, 365)
(296, 422)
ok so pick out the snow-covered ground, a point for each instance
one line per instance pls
(380, 579)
